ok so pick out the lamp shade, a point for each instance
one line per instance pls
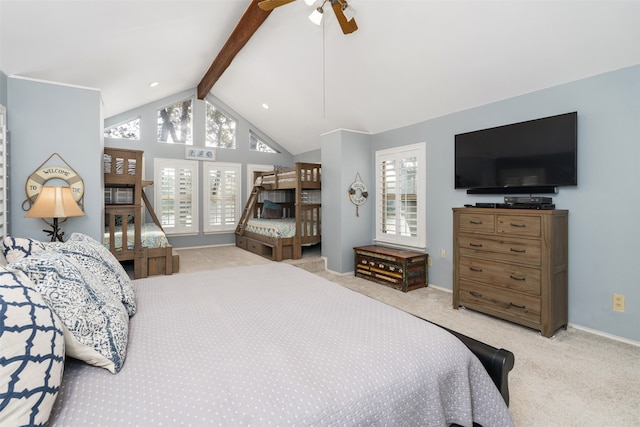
(54, 202)
(316, 16)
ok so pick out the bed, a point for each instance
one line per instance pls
(126, 208)
(266, 344)
(262, 234)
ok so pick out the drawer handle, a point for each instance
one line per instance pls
(475, 245)
(522, 279)
(518, 251)
(476, 294)
(476, 269)
(475, 222)
(517, 306)
(513, 224)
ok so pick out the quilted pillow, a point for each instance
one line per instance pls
(109, 266)
(96, 324)
(15, 248)
(269, 213)
(32, 355)
(111, 275)
(271, 210)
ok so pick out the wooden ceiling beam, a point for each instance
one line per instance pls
(249, 23)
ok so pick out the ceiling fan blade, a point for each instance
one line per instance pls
(272, 4)
(347, 26)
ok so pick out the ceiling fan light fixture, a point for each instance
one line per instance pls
(316, 16)
(309, 2)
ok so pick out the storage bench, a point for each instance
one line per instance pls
(400, 269)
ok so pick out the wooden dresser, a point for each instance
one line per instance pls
(512, 264)
(400, 269)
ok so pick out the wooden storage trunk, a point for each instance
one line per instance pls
(400, 269)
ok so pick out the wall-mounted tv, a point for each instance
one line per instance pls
(536, 156)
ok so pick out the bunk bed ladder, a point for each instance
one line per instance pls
(246, 213)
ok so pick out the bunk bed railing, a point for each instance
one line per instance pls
(309, 223)
(127, 214)
(302, 175)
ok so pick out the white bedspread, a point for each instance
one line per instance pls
(275, 345)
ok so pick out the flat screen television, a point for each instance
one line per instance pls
(536, 156)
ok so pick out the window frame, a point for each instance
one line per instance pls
(418, 241)
(162, 163)
(223, 227)
(188, 142)
(253, 134)
(230, 116)
(138, 119)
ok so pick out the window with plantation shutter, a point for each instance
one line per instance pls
(222, 202)
(400, 202)
(176, 195)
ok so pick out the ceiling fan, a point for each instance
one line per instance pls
(344, 12)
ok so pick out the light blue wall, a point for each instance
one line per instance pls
(3, 89)
(604, 209)
(152, 149)
(604, 254)
(344, 154)
(45, 118)
(314, 156)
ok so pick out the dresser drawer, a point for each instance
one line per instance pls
(478, 222)
(520, 225)
(510, 250)
(508, 276)
(499, 300)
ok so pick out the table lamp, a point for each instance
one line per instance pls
(54, 202)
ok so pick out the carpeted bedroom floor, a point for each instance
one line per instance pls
(576, 378)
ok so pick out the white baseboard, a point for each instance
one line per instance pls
(205, 246)
(606, 335)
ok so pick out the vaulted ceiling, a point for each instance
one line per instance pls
(408, 61)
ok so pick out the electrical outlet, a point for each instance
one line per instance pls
(429, 262)
(443, 253)
(618, 302)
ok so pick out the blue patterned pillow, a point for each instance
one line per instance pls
(15, 248)
(112, 275)
(112, 265)
(31, 355)
(96, 322)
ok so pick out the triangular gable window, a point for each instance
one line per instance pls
(221, 129)
(127, 130)
(258, 144)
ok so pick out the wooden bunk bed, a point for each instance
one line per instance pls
(127, 235)
(296, 182)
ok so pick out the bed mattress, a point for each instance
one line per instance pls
(151, 236)
(275, 345)
(279, 228)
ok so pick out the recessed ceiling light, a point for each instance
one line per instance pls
(153, 84)
(265, 106)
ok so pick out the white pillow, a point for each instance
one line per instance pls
(96, 321)
(32, 353)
